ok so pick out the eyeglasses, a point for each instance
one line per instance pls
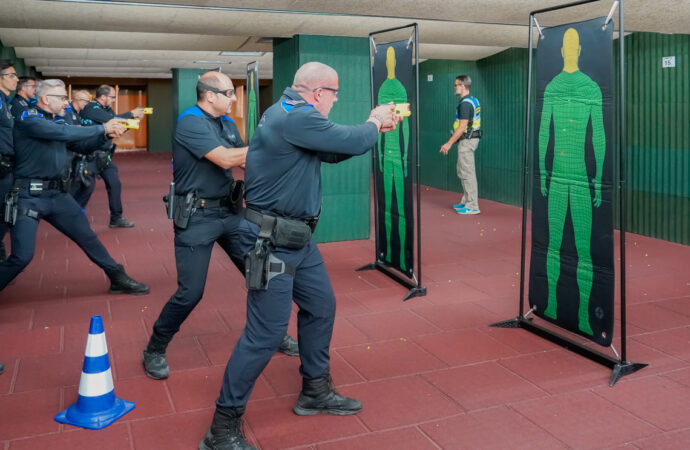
(225, 92)
(63, 98)
(335, 91)
(29, 85)
(112, 96)
(10, 75)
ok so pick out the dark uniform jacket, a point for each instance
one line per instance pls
(6, 125)
(292, 138)
(197, 133)
(42, 141)
(20, 104)
(95, 114)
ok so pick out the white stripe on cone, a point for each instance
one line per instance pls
(95, 384)
(95, 345)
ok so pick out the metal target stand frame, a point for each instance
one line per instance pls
(619, 365)
(415, 285)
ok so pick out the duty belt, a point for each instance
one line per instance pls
(39, 184)
(256, 218)
(211, 202)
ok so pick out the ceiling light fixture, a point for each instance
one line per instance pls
(203, 61)
(228, 53)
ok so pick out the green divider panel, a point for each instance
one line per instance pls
(160, 124)
(345, 186)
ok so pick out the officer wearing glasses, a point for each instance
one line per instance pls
(8, 82)
(206, 204)
(97, 112)
(283, 178)
(25, 97)
(41, 141)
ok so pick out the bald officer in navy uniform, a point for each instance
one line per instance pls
(206, 146)
(283, 179)
(41, 141)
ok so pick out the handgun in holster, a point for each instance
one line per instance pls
(11, 206)
(235, 199)
(183, 208)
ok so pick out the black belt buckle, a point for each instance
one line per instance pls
(311, 222)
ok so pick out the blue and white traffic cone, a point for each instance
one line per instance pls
(97, 407)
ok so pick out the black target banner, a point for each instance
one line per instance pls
(395, 158)
(571, 269)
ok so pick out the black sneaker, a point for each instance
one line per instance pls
(289, 346)
(120, 223)
(155, 365)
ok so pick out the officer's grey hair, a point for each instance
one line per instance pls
(312, 75)
(46, 85)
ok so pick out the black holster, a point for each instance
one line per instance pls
(183, 208)
(102, 159)
(236, 197)
(11, 206)
(6, 165)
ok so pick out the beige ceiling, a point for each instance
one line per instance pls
(147, 38)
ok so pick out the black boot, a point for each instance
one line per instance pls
(289, 346)
(120, 222)
(121, 283)
(318, 396)
(2, 367)
(155, 365)
(226, 431)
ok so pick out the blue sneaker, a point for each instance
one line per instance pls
(459, 205)
(467, 211)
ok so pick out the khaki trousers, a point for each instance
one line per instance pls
(467, 173)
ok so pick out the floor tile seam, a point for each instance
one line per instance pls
(667, 433)
(429, 322)
(519, 376)
(616, 405)
(537, 425)
(130, 436)
(442, 393)
(223, 322)
(352, 367)
(385, 430)
(271, 386)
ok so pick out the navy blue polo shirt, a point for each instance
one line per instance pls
(197, 133)
(291, 141)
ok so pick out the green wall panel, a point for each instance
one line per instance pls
(345, 186)
(160, 125)
(184, 89)
(658, 138)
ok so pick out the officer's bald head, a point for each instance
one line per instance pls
(313, 75)
(213, 80)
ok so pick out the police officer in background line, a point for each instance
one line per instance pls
(99, 111)
(206, 206)
(25, 97)
(8, 82)
(83, 165)
(41, 138)
(283, 197)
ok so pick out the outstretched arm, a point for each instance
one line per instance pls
(599, 144)
(544, 129)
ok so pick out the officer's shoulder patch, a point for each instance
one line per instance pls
(226, 119)
(30, 114)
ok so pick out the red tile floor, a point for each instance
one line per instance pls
(430, 372)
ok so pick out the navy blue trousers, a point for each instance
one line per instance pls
(193, 247)
(6, 184)
(113, 185)
(61, 211)
(268, 313)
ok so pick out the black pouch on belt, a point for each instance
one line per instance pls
(236, 197)
(290, 233)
